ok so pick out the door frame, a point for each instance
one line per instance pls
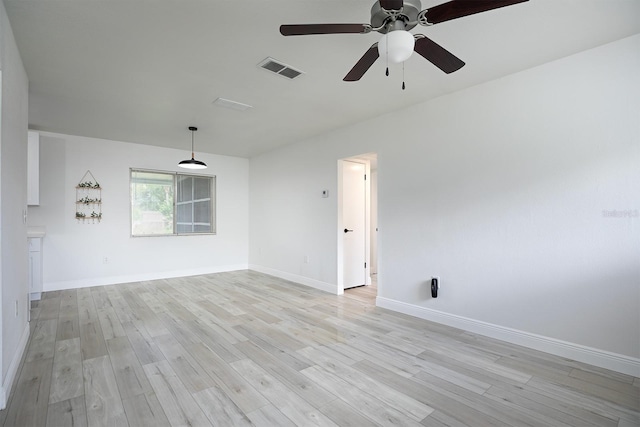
(340, 229)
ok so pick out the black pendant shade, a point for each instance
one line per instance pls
(192, 163)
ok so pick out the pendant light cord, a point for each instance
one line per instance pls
(192, 151)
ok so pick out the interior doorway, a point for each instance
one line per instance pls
(354, 218)
(357, 223)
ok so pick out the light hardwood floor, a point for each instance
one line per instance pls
(243, 348)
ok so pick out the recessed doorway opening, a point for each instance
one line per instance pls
(358, 225)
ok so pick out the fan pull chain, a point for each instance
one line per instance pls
(403, 76)
(387, 57)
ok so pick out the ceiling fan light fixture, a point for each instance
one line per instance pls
(192, 163)
(396, 45)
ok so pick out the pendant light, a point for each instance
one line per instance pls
(192, 163)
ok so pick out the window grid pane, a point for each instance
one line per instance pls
(201, 188)
(194, 211)
(185, 188)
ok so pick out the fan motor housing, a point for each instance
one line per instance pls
(409, 15)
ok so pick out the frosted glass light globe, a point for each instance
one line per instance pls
(396, 45)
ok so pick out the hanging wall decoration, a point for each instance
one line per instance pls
(88, 199)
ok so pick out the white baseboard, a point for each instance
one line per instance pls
(114, 280)
(313, 283)
(13, 368)
(592, 356)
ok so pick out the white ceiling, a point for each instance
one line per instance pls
(144, 70)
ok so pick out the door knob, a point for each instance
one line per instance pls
(346, 230)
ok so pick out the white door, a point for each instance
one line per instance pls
(354, 222)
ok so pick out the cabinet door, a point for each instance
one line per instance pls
(32, 255)
(35, 268)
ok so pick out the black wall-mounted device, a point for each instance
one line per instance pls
(434, 287)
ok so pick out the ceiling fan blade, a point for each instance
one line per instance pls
(363, 64)
(391, 4)
(458, 8)
(305, 29)
(437, 55)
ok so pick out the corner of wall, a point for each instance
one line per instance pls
(312, 283)
(8, 380)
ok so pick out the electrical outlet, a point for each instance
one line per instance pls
(306, 259)
(16, 304)
(105, 260)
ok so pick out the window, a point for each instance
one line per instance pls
(169, 203)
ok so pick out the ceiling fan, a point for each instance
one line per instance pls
(393, 19)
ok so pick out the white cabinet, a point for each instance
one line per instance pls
(33, 169)
(35, 268)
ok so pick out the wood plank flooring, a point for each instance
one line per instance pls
(247, 349)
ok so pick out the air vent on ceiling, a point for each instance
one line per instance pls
(279, 68)
(233, 105)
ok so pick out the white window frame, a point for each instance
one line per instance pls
(175, 175)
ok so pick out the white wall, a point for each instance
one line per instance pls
(13, 202)
(289, 219)
(504, 191)
(73, 252)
